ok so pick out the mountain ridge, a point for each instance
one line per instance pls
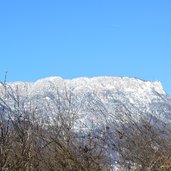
(98, 79)
(99, 94)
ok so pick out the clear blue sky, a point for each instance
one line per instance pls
(73, 38)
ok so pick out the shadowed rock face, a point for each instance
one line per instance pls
(91, 98)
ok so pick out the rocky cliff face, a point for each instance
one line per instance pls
(91, 98)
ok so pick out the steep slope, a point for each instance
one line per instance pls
(113, 112)
(92, 98)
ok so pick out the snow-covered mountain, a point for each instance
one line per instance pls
(91, 98)
(105, 108)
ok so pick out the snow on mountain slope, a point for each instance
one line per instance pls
(91, 98)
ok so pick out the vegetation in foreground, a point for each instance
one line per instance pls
(32, 143)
